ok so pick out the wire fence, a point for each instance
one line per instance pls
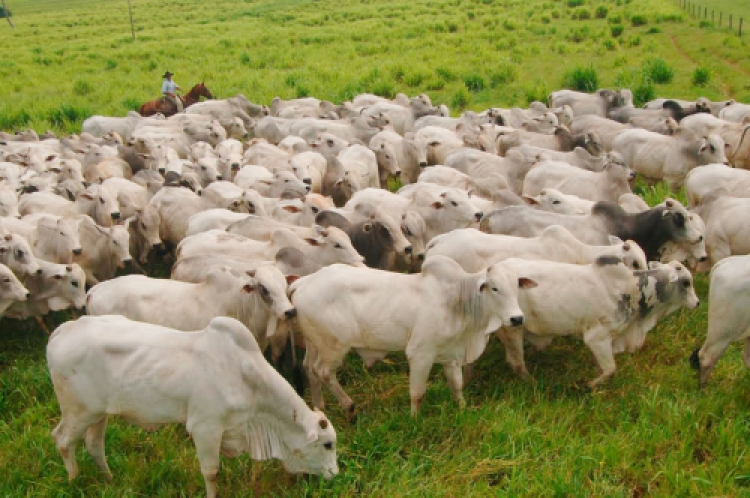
(717, 18)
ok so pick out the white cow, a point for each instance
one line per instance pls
(704, 179)
(105, 249)
(658, 157)
(606, 185)
(728, 314)
(442, 315)
(215, 381)
(259, 301)
(11, 289)
(474, 250)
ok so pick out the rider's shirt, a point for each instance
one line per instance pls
(168, 86)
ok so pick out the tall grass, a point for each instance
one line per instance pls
(582, 78)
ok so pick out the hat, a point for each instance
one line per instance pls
(168, 73)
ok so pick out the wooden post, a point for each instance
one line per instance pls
(130, 12)
(7, 14)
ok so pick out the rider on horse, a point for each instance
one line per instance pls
(168, 88)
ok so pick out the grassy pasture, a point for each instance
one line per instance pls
(648, 432)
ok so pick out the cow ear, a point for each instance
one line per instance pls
(626, 246)
(437, 205)
(434, 143)
(312, 242)
(482, 286)
(526, 283)
(290, 279)
(86, 195)
(529, 200)
(673, 278)
(9, 237)
(247, 288)
(250, 273)
(291, 209)
(614, 240)
(669, 203)
(312, 435)
(323, 423)
(367, 227)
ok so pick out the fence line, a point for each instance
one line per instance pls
(701, 11)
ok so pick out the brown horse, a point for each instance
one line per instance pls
(167, 107)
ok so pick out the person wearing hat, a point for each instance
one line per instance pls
(168, 89)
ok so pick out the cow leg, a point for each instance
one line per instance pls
(468, 373)
(419, 372)
(208, 446)
(344, 400)
(454, 378)
(316, 389)
(600, 343)
(94, 440)
(42, 325)
(512, 339)
(66, 435)
(710, 354)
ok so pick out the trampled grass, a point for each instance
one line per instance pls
(650, 431)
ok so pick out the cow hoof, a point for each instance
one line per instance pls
(352, 414)
(695, 361)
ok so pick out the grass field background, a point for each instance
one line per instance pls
(650, 431)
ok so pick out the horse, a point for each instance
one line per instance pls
(168, 108)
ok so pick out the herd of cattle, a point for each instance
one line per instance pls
(520, 222)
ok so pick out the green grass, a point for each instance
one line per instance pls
(650, 431)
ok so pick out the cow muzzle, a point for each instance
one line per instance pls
(290, 313)
(423, 164)
(77, 252)
(516, 321)
(115, 216)
(478, 216)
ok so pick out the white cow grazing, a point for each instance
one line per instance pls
(442, 315)
(658, 157)
(16, 254)
(144, 233)
(703, 179)
(474, 250)
(332, 245)
(728, 314)
(607, 185)
(105, 249)
(11, 289)
(100, 125)
(96, 201)
(259, 301)
(735, 111)
(726, 231)
(594, 301)
(215, 381)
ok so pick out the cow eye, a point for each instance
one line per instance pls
(455, 204)
(406, 231)
(315, 210)
(713, 149)
(555, 202)
(636, 265)
(263, 290)
(74, 283)
(294, 169)
(495, 289)
(143, 225)
(338, 246)
(6, 280)
(203, 168)
(101, 200)
(328, 446)
(19, 254)
(686, 284)
(286, 181)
